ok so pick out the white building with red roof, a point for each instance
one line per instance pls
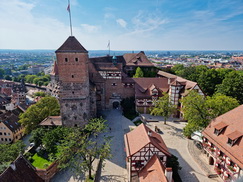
(141, 144)
(223, 144)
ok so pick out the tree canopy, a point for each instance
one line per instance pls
(81, 147)
(199, 110)
(47, 106)
(232, 86)
(139, 73)
(9, 152)
(163, 107)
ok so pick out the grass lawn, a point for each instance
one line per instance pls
(40, 162)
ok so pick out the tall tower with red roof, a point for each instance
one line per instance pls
(73, 75)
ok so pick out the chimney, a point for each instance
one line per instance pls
(149, 133)
(168, 174)
(12, 165)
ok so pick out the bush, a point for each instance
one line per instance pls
(174, 164)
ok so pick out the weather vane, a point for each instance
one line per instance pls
(70, 18)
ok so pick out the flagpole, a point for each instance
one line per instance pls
(109, 48)
(70, 18)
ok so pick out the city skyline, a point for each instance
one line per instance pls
(136, 25)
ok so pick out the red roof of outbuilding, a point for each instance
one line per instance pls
(153, 171)
(139, 138)
(233, 129)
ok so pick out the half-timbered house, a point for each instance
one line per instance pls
(141, 144)
(223, 144)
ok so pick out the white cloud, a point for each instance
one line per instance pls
(121, 22)
(90, 28)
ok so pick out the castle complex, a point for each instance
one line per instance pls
(85, 85)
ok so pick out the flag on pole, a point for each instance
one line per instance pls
(68, 8)
(108, 45)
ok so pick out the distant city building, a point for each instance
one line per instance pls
(223, 144)
(35, 69)
(17, 92)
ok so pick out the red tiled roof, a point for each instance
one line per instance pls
(138, 138)
(234, 120)
(188, 84)
(71, 45)
(137, 59)
(143, 86)
(153, 171)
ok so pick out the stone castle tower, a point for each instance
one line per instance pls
(74, 98)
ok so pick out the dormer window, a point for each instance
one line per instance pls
(230, 142)
(218, 128)
(233, 137)
(154, 92)
(217, 132)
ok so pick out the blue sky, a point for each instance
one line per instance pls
(129, 25)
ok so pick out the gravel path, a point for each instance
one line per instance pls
(115, 169)
(178, 146)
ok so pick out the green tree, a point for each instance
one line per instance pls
(139, 73)
(9, 152)
(79, 149)
(2, 72)
(7, 77)
(219, 104)
(163, 107)
(30, 78)
(42, 94)
(47, 106)
(54, 136)
(208, 80)
(232, 86)
(199, 110)
(37, 136)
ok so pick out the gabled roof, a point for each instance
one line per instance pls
(10, 120)
(143, 86)
(188, 84)
(234, 130)
(52, 121)
(153, 171)
(137, 59)
(71, 45)
(21, 171)
(139, 138)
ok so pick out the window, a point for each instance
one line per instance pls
(113, 84)
(9, 139)
(5, 133)
(73, 92)
(66, 59)
(230, 142)
(138, 164)
(76, 59)
(1, 133)
(72, 76)
(8, 133)
(217, 132)
(6, 139)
